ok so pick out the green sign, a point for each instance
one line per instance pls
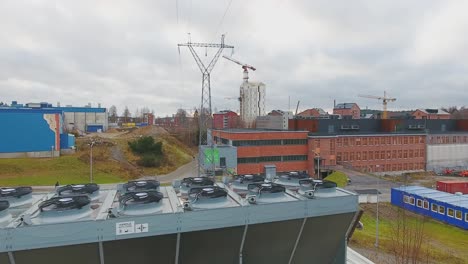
(211, 155)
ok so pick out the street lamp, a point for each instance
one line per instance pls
(91, 162)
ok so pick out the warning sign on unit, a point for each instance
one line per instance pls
(125, 228)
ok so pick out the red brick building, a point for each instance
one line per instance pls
(431, 114)
(256, 148)
(347, 110)
(313, 112)
(225, 119)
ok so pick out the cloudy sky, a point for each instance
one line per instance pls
(125, 52)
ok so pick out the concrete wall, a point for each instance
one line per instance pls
(80, 120)
(440, 157)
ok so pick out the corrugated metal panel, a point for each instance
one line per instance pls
(447, 201)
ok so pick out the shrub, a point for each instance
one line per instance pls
(150, 152)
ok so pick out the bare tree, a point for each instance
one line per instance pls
(408, 239)
(126, 114)
(113, 114)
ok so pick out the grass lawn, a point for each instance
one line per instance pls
(46, 171)
(442, 243)
(339, 178)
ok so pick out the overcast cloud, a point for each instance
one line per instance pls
(125, 52)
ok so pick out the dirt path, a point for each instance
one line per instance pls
(118, 155)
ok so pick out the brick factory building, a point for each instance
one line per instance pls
(257, 148)
(371, 145)
(225, 119)
(347, 110)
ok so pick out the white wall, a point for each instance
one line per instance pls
(448, 155)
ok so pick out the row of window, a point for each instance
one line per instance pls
(270, 142)
(457, 214)
(447, 139)
(376, 155)
(378, 141)
(272, 159)
(391, 167)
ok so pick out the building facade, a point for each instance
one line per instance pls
(84, 119)
(347, 110)
(30, 132)
(287, 150)
(430, 114)
(276, 119)
(252, 102)
(225, 119)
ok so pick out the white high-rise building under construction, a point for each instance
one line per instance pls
(251, 97)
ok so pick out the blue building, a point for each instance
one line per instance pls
(442, 206)
(27, 132)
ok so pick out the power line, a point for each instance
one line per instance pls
(222, 19)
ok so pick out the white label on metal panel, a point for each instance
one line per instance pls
(125, 228)
(141, 228)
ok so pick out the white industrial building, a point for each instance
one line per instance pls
(277, 119)
(85, 119)
(252, 102)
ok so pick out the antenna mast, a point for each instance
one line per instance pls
(205, 115)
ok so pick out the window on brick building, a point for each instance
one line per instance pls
(394, 139)
(345, 142)
(399, 140)
(358, 155)
(405, 166)
(339, 142)
(399, 167)
(389, 154)
(364, 141)
(389, 140)
(351, 156)
(411, 140)
(345, 156)
(371, 155)
(382, 141)
(421, 153)
(410, 153)
(358, 141)
(387, 167)
(394, 154)
(394, 167)
(338, 156)
(382, 154)
(371, 141)
(364, 155)
(405, 140)
(351, 141)
(405, 154)
(400, 154)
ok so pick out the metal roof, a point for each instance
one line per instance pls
(449, 198)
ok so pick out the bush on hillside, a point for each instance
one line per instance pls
(150, 152)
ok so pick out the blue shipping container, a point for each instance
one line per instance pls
(94, 128)
(445, 207)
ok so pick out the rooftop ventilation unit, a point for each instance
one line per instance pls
(190, 182)
(311, 188)
(241, 182)
(141, 203)
(141, 185)
(260, 193)
(17, 196)
(206, 198)
(291, 179)
(91, 189)
(63, 209)
(5, 217)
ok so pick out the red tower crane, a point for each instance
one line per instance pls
(244, 66)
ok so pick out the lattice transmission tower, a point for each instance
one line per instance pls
(205, 115)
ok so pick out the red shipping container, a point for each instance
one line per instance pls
(453, 186)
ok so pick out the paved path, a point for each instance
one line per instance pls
(360, 181)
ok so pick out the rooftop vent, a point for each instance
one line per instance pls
(63, 203)
(141, 203)
(73, 189)
(141, 185)
(17, 196)
(61, 209)
(260, 188)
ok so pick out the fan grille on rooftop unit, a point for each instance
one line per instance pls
(249, 178)
(295, 175)
(197, 181)
(65, 203)
(266, 188)
(87, 188)
(141, 197)
(318, 184)
(141, 185)
(15, 192)
(207, 192)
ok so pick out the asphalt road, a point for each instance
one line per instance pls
(361, 181)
